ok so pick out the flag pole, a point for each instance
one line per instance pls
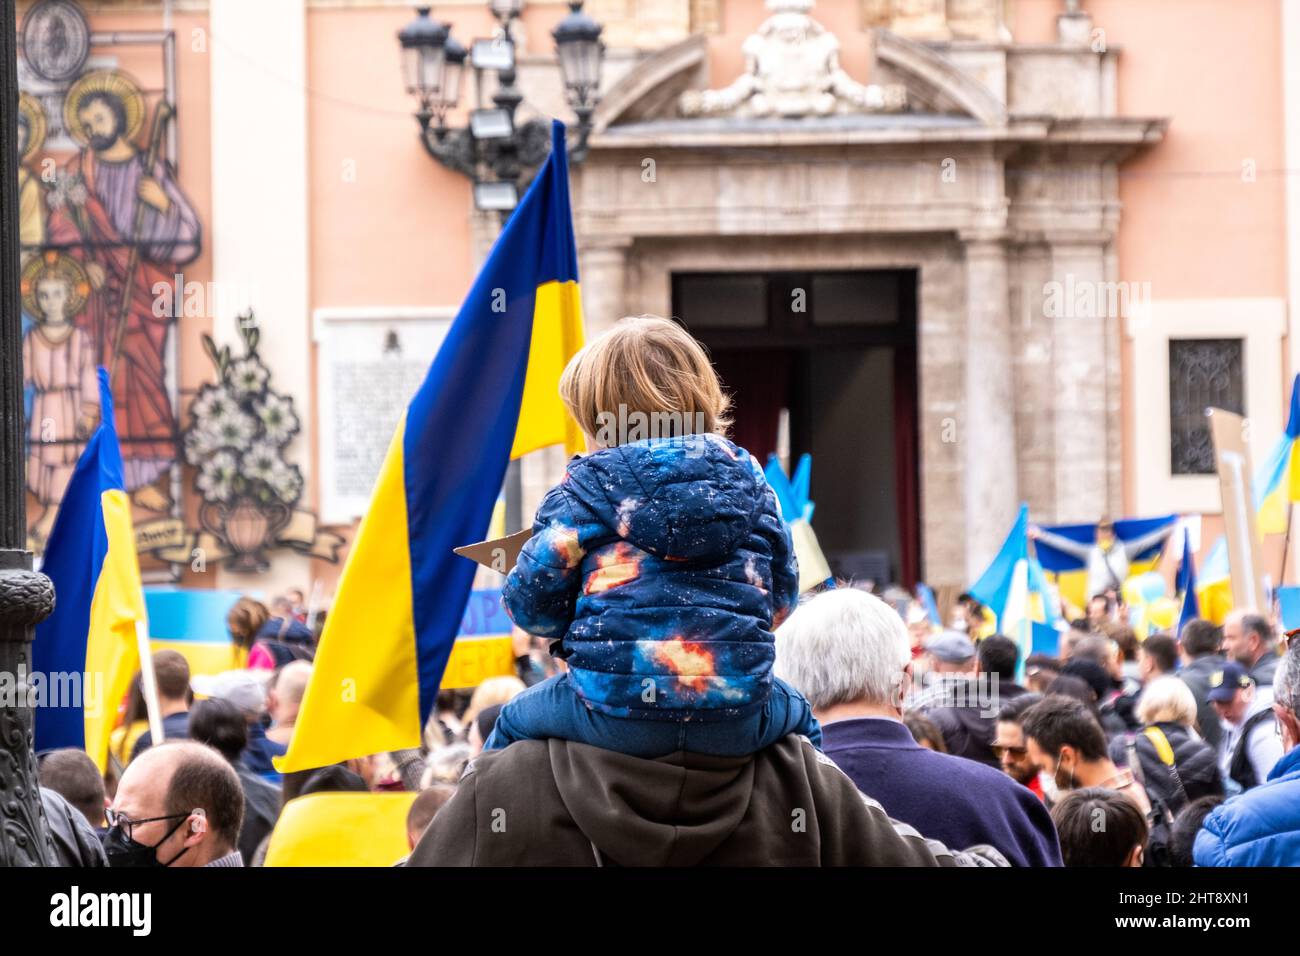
(1286, 544)
(149, 681)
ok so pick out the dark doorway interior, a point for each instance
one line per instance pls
(837, 350)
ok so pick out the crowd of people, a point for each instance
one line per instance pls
(676, 701)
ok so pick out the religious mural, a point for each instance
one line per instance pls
(103, 221)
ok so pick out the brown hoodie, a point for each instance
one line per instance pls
(556, 803)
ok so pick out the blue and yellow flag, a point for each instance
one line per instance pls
(403, 592)
(89, 642)
(1277, 480)
(797, 511)
(1015, 590)
(1071, 570)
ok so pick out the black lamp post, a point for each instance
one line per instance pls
(497, 154)
(577, 41)
(26, 597)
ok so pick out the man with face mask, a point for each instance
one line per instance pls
(1262, 826)
(178, 804)
(1066, 743)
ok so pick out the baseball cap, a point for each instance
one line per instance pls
(951, 647)
(245, 689)
(1227, 681)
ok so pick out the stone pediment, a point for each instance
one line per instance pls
(793, 77)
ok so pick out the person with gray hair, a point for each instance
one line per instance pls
(1249, 638)
(848, 653)
(1261, 827)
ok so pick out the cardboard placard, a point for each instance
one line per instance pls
(497, 554)
(1245, 552)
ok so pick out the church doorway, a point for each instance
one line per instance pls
(825, 363)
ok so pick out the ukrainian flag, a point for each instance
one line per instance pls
(90, 557)
(1277, 480)
(797, 511)
(491, 394)
(1015, 589)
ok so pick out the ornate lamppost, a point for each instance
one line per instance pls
(499, 155)
(26, 597)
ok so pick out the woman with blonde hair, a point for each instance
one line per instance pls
(1174, 764)
(493, 691)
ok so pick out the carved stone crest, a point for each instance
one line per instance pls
(792, 69)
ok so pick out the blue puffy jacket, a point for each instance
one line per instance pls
(662, 565)
(1260, 827)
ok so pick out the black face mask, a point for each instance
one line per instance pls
(123, 851)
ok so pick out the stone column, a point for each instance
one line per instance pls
(988, 432)
(602, 271)
(26, 598)
(1080, 308)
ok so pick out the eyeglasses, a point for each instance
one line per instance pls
(1016, 752)
(117, 819)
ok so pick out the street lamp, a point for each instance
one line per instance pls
(424, 61)
(577, 41)
(499, 155)
(26, 597)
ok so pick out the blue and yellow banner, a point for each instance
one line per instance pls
(90, 639)
(491, 393)
(1071, 571)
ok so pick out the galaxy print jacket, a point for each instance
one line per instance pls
(662, 566)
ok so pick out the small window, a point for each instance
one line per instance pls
(1203, 373)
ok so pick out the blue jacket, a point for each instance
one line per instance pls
(959, 802)
(1260, 827)
(662, 566)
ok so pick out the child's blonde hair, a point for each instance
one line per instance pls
(647, 366)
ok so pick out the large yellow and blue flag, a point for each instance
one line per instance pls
(490, 394)
(90, 641)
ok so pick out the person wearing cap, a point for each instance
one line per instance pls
(1261, 827)
(246, 690)
(946, 659)
(172, 677)
(1250, 745)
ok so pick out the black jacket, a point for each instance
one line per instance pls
(1196, 676)
(75, 841)
(1195, 771)
(966, 714)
